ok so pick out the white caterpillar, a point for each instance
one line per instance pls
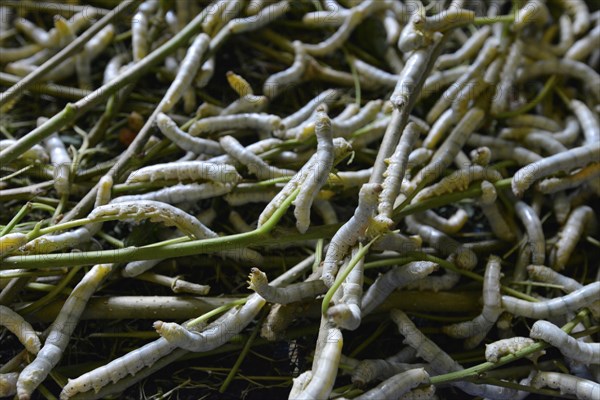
(351, 231)
(21, 328)
(187, 170)
(279, 82)
(574, 158)
(466, 51)
(581, 219)
(534, 229)
(8, 384)
(397, 385)
(184, 140)
(187, 70)
(255, 164)
(60, 331)
(61, 160)
(10, 242)
(395, 173)
(586, 353)
(290, 294)
(190, 192)
(318, 174)
(550, 308)
(256, 121)
(441, 362)
(494, 351)
(347, 313)
(491, 305)
(588, 121)
(553, 185)
(392, 280)
(366, 114)
(581, 388)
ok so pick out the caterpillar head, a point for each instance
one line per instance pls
(257, 279)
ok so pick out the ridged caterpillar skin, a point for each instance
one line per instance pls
(583, 389)
(186, 170)
(20, 328)
(586, 353)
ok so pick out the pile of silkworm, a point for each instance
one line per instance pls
(319, 199)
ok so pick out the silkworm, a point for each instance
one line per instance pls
(466, 51)
(180, 193)
(484, 58)
(397, 385)
(570, 133)
(139, 35)
(492, 212)
(303, 113)
(240, 25)
(346, 313)
(491, 305)
(395, 172)
(580, 220)
(450, 18)
(246, 104)
(279, 82)
(571, 68)
(558, 306)
(553, 185)
(323, 376)
(10, 242)
(587, 120)
(413, 36)
(545, 141)
(443, 157)
(583, 389)
(411, 74)
(205, 73)
(534, 229)
(354, 17)
(326, 211)
(446, 225)
(465, 258)
(238, 198)
(60, 331)
(35, 154)
(375, 76)
(217, 333)
(440, 79)
(155, 211)
(33, 32)
(113, 67)
(350, 179)
(8, 384)
(586, 353)
(440, 361)
(340, 148)
(458, 181)
(366, 114)
(503, 149)
(545, 274)
(91, 50)
(566, 36)
(188, 170)
(21, 328)
(62, 163)
(584, 46)
(534, 11)
(392, 280)
(578, 9)
(290, 294)
(186, 73)
(494, 351)
(507, 76)
(184, 140)
(260, 122)
(238, 223)
(436, 283)
(427, 393)
(254, 163)
(573, 158)
(534, 121)
(117, 369)
(19, 53)
(350, 232)
(318, 174)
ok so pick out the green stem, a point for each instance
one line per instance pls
(241, 357)
(215, 312)
(50, 296)
(473, 191)
(477, 370)
(15, 220)
(493, 20)
(68, 51)
(522, 110)
(51, 89)
(362, 252)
